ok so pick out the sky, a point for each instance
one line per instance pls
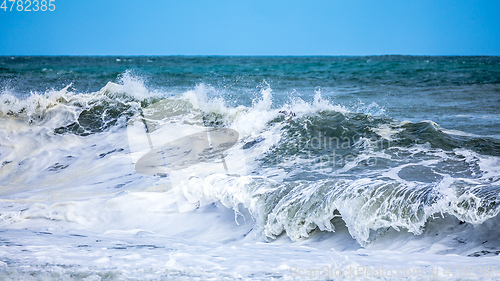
(252, 27)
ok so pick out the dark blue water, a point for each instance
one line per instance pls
(461, 93)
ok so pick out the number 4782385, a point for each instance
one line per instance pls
(28, 5)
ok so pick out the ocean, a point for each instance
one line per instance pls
(249, 168)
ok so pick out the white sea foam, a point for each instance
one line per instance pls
(73, 207)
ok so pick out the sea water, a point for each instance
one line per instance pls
(117, 168)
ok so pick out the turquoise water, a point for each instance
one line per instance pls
(455, 92)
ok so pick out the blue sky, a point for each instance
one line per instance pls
(254, 27)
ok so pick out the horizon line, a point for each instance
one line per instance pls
(186, 55)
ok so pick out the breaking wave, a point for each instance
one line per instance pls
(325, 163)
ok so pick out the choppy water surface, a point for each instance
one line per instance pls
(184, 167)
